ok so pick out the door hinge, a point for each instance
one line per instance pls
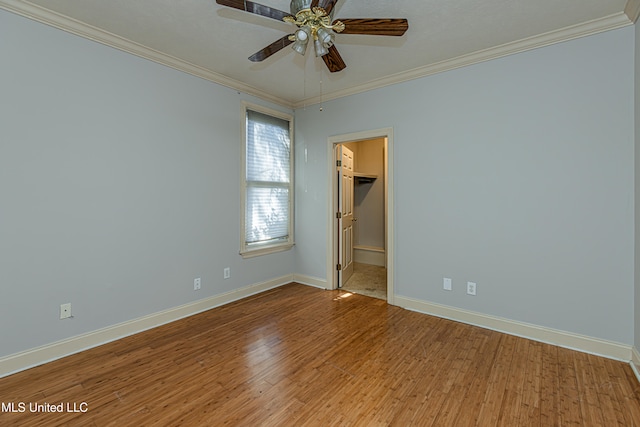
(339, 267)
(338, 163)
(338, 215)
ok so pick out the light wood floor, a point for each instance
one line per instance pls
(300, 356)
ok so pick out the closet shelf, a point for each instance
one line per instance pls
(364, 178)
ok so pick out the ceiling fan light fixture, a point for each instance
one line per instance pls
(300, 47)
(303, 33)
(301, 37)
(325, 36)
(321, 49)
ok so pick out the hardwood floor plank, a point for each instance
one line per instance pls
(459, 378)
(624, 390)
(570, 407)
(490, 410)
(549, 387)
(428, 370)
(481, 370)
(301, 356)
(513, 399)
(587, 390)
(530, 405)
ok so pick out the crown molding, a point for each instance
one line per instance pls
(73, 26)
(632, 10)
(611, 22)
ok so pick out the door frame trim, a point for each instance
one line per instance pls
(332, 223)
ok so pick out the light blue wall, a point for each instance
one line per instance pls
(118, 186)
(637, 190)
(516, 173)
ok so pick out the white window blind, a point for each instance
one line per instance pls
(267, 181)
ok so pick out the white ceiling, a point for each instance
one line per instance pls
(214, 42)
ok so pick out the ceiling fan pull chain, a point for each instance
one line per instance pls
(320, 89)
(304, 87)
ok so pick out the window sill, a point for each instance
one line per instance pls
(251, 253)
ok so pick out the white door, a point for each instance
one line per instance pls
(345, 202)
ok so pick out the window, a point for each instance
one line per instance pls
(267, 184)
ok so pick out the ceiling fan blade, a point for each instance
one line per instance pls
(333, 60)
(258, 9)
(314, 3)
(375, 26)
(274, 47)
(327, 5)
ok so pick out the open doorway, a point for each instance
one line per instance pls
(360, 251)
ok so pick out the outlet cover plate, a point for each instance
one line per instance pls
(471, 288)
(65, 310)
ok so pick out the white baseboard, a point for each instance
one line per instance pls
(47, 353)
(635, 362)
(369, 255)
(310, 281)
(586, 344)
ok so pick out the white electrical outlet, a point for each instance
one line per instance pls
(197, 284)
(471, 288)
(227, 272)
(446, 284)
(65, 310)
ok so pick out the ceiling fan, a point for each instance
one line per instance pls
(313, 19)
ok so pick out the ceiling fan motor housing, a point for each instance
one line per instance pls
(298, 5)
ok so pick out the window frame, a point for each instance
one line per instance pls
(253, 250)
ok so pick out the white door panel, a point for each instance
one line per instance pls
(346, 210)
